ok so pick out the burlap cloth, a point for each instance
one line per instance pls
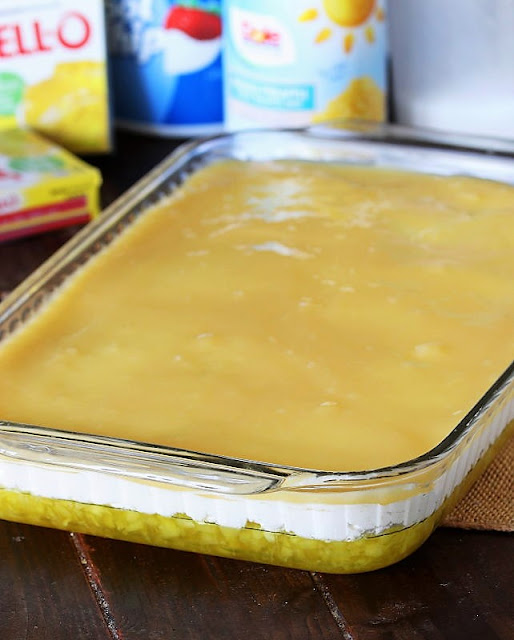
(489, 504)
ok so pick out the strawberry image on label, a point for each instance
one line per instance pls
(192, 38)
(197, 23)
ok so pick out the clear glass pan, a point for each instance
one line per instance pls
(304, 518)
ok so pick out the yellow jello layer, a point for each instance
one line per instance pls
(330, 317)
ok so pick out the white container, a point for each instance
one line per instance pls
(453, 65)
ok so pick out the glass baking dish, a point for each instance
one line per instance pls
(303, 518)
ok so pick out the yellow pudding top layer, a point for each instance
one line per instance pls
(320, 316)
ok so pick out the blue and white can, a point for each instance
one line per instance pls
(165, 58)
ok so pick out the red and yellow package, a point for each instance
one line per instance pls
(42, 186)
(53, 71)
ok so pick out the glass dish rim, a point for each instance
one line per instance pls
(359, 131)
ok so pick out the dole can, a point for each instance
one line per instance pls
(295, 62)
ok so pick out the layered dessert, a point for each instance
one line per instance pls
(310, 316)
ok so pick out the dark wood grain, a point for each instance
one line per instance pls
(458, 585)
(19, 258)
(43, 590)
(186, 595)
(135, 155)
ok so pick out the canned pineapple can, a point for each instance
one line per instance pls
(295, 62)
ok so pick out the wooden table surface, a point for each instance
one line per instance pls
(56, 585)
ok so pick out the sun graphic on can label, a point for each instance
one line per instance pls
(347, 14)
